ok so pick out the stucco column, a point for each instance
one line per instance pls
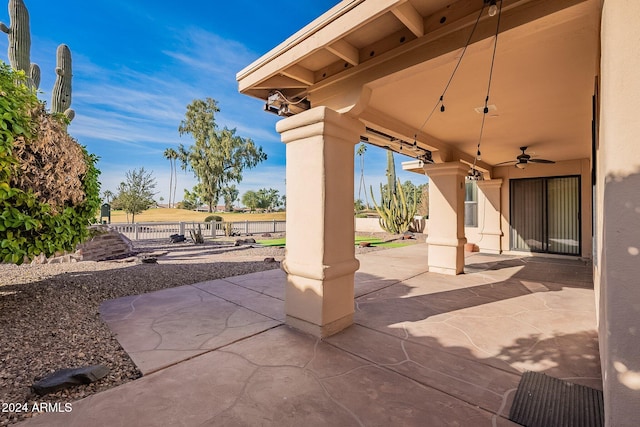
(320, 255)
(446, 217)
(617, 259)
(490, 216)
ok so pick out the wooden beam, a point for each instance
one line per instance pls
(300, 74)
(410, 17)
(345, 51)
(281, 82)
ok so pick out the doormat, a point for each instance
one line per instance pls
(544, 401)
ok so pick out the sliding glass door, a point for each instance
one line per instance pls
(545, 215)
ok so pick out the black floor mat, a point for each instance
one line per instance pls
(544, 401)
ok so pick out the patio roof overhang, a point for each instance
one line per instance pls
(386, 62)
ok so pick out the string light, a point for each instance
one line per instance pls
(485, 111)
(455, 70)
(493, 9)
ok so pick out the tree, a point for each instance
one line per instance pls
(192, 199)
(362, 148)
(108, 195)
(49, 189)
(358, 205)
(172, 156)
(135, 195)
(218, 156)
(268, 198)
(250, 200)
(230, 195)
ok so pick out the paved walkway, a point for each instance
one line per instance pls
(425, 349)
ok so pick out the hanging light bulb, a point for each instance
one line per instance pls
(493, 9)
(478, 156)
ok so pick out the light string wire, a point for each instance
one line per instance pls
(455, 70)
(486, 99)
(287, 100)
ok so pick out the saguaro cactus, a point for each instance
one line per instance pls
(19, 51)
(61, 94)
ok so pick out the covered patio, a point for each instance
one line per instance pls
(549, 86)
(425, 348)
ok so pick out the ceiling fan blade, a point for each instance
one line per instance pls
(541, 161)
(506, 163)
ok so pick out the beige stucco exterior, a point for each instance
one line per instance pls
(372, 71)
(617, 261)
(320, 256)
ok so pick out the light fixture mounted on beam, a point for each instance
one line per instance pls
(279, 104)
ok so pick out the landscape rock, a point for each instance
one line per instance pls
(270, 259)
(365, 244)
(177, 238)
(106, 244)
(65, 378)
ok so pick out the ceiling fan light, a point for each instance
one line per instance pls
(521, 165)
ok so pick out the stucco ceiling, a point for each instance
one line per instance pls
(388, 63)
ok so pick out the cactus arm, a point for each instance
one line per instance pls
(61, 94)
(70, 114)
(4, 28)
(35, 75)
(396, 216)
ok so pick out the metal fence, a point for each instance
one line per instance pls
(160, 230)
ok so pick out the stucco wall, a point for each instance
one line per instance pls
(617, 264)
(372, 225)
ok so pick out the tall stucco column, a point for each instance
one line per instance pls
(490, 216)
(320, 255)
(617, 231)
(446, 217)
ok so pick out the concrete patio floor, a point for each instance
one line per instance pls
(425, 350)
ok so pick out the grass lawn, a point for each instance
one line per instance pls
(173, 215)
(373, 240)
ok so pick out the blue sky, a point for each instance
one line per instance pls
(138, 63)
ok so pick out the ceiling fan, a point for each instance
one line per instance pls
(523, 159)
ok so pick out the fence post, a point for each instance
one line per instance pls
(181, 232)
(135, 231)
(274, 225)
(246, 227)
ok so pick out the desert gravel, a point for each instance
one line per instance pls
(49, 314)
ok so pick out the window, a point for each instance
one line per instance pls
(471, 204)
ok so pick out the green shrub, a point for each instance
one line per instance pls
(34, 217)
(212, 218)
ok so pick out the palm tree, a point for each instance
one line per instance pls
(362, 148)
(172, 155)
(108, 195)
